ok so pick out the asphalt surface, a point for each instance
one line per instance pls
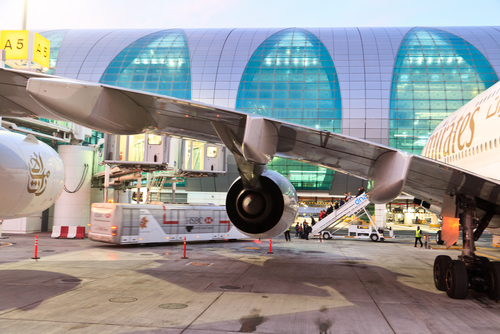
(334, 286)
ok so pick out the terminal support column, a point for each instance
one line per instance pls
(73, 209)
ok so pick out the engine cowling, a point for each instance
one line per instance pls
(31, 175)
(263, 213)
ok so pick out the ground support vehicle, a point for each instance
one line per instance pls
(148, 223)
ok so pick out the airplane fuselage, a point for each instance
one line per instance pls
(470, 137)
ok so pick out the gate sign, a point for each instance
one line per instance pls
(15, 44)
(41, 50)
(25, 45)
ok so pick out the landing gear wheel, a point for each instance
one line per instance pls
(440, 265)
(494, 281)
(485, 262)
(326, 236)
(374, 237)
(439, 241)
(457, 283)
(482, 272)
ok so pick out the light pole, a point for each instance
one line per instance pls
(25, 14)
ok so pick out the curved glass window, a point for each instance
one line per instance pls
(55, 38)
(157, 63)
(291, 76)
(435, 74)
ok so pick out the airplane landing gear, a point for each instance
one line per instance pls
(469, 271)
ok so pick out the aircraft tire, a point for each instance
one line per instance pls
(440, 265)
(494, 280)
(457, 283)
(439, 241)
(485, 262)
(374, 237)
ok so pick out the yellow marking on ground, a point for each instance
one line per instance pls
(6, 244)
(252, 247)
(491, 257)
(452, 247)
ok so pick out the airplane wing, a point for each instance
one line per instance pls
(15, 100)
(257, 139)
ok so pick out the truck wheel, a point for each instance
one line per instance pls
(374, 237)
(327, 236)
(439, 241)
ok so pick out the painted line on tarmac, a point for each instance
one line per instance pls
(492, 257)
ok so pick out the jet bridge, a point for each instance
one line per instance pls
(339, 219)
(151, 152)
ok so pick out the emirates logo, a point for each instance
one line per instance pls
(37, 179)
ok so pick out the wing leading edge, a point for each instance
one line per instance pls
(122, 111)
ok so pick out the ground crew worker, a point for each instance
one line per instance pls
(287, 235)
(418, 236)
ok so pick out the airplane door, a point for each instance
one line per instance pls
(212, 158)
(155, 148)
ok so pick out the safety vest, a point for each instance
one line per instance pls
(418, 233)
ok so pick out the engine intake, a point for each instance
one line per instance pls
(263, 213)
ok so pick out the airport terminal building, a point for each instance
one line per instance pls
(387, 85)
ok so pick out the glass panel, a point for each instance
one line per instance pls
(154, 140)
(122, 155)
(442, 72)
(165, 52)
(291, 76)
(136, 148)
(211, 152)
(198, 158)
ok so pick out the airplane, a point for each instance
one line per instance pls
(262, 203)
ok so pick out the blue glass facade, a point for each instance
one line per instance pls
(387, 85)
(157, 63)
(291, 76)
(435, 74)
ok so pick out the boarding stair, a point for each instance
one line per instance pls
(338, 219)
(155, 187)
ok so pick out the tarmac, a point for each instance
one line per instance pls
(304, 286)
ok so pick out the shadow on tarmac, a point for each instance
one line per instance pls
(26, 289)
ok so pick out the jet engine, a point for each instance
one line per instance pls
(264, 212)
(31, 175)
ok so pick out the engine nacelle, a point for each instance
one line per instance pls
(31, 175)
(265, 213)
